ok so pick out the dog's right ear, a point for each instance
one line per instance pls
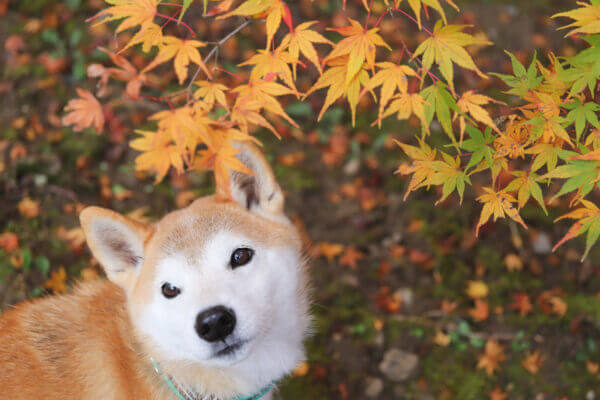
(117, 242)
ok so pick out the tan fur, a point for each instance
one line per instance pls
(83, 346)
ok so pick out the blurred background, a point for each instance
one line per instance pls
(406, 299)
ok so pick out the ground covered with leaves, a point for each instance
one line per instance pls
(408, 302)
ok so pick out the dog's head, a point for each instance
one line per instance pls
(219, 283)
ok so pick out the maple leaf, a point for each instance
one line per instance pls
(335, 79)
(359, 45)
(421, 157)
(477, 289)
(416, 6)
(587, 18)
(527, 186)
(132, 12)
(533, 362)
(57, 281)
(499, 204)
(470, 103)
(183, 52)
(390, 77)
(558, 306)
(158, 153)
(330, 250)
(405, 105)
(588, 220)
(351, 256)
(301, 40)
(126, 72)
(513, 141)
(150, 35)
(9, 241)
(211, 93)
(446, 46)
(449, 174)
(521, 303)
(221, 156)
(481, 311)
(441, 339)
(513, 262)
(250, 8)
(262, 93)
(182, 126)
(84, 112)
(268, 64)
(492, 357)
(497, 394)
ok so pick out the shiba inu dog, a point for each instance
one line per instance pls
(208, 303)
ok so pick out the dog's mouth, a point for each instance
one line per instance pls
(230, 348)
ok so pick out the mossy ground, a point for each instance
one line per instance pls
(351, 332)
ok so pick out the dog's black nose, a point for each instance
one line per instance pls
(216, 323)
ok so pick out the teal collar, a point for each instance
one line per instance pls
(180, 396)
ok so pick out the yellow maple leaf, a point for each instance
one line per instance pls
(262, 93)
(499, 204)
(390, 77)
(57, 282)
(335, 79)
(250, 8)
(211, 93)
(492, 357)
(359, 45)
(182, 126)
(416, 6)
(477, 289)
(183, 52)
(132, 12)
(158, 153)
(149, 36)
(272, 64)
(421, 157)
(447, 46)
(471, 103)
(405, 105)
(301, 40)
(587, 19)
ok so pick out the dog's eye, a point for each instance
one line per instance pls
(169, 291)
(241, 257)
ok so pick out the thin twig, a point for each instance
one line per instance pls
(214, 50)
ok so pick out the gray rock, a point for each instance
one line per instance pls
(398, 365)
(542, 244)
(374, 387)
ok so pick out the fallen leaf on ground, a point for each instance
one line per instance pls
(351, 256)
(330, 250)
(481, 311)
(533, 362)
(57, 282)
(9, 241)
(29, 208)
(477, 289)
(492, 357)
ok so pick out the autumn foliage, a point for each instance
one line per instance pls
(544, 146)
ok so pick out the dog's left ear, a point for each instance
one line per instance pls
(117, 242)
(259, 192)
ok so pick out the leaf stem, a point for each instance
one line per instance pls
(178, 22)
(215, 48)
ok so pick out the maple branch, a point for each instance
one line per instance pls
(189, 28)
(213, 51)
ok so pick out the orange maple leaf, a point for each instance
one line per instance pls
(492, 357)
(351, 256)
(158, 153)
(84, 112)
(533, 362)
(481, 311)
